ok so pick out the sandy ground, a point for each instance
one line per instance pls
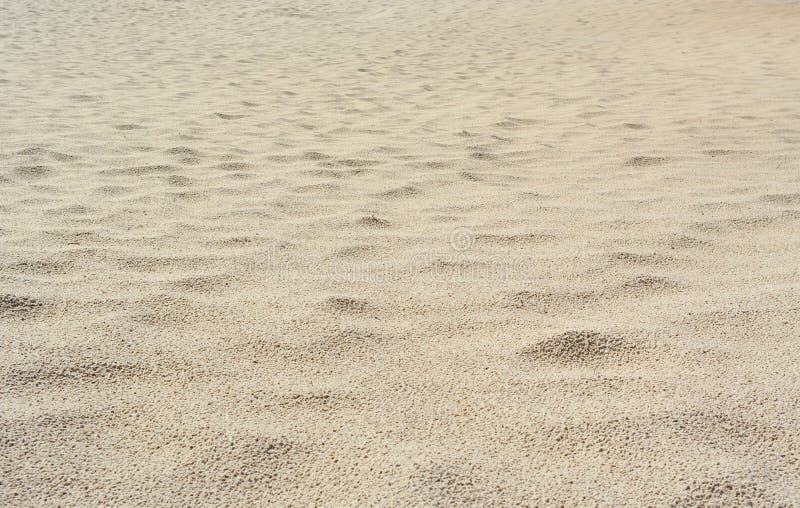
(391, 253)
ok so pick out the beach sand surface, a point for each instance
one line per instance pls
(400, 253)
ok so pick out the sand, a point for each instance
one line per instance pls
(400, 253)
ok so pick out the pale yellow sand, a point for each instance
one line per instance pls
(390, 253)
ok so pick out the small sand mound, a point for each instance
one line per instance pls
(18, 306)
(782, 199)
(644, 160)
(316, 187)
(236, 463)
(356, 163)
(37, 171)
(580, 347)
(203, 284)
(346, 304)
(321, 402)
(649, 282)
(234, 166)
(143, 170)
(179, 181)
(182, 151)
(722, 152)
(226, 116)
(37, 151)
(112, 190)
(41, 267)
(685, 242)
(58, 375)
(725, 492)
(315, 156)
(74, 210)
(128, 127)
(470, 176)
(638, 259)
(354, 251)
(371, 221)
(484, 156)
(401, 192)
(33, 150)
(442, 484)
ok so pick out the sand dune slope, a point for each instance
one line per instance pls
(392, 253)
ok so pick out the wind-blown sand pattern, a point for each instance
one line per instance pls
(400, 253)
